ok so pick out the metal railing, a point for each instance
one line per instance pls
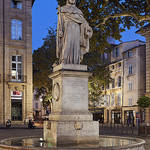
(120, 129)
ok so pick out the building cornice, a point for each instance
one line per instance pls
(144, 30)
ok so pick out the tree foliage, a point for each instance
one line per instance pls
(97, 64)
(144, 102)
(43, 59)
(107, 18)
(111, 17)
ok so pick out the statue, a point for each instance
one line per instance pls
(73, 33)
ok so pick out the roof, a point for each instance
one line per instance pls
(128, 42)
(113, 62)
(146, 26)
(132, 48)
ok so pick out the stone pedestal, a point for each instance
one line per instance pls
(70, 120)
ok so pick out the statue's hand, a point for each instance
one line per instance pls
(89, 32)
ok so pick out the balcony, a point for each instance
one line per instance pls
(17, 78)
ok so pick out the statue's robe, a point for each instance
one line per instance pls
(73, 33)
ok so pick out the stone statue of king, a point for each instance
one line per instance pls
(73, 33)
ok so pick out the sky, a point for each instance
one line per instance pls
(44, 15)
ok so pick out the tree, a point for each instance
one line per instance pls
(97, 64)
(144, 102)
(43, 59)
(111, 17)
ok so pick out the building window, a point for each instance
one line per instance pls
(130, 101)
(16, 105)
(116, 52)
(130, 86)
(130, 70)
(113, 83)
(101, 100)
(119, 65)
(119, 81)
(119, 99)
(16, 70)
(16, 4)
(129, 54)
(107, 86)
(16, 29)
(103, 87)
(112, 67)
(36, 105)
(112, 99)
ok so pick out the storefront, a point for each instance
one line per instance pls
(129, 116)
(16, 106)
(116, 116)
(98, 114)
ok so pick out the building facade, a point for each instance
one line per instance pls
(146, 32)
(128, 71)
(16, 60)
(39, 112)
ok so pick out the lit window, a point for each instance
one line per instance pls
(16, 69)
(130, 70)
(16, 4)
(129, 54)
(130, 86)
(16, 29)
(119, 81)
(130, 101)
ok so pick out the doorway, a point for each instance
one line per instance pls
(16, 110)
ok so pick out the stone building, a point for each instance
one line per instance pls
(39, 112)
(127, 64)
(146, 32)
(16, 60)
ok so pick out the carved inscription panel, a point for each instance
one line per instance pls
(75, 94)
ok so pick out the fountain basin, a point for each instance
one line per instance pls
(105, 143)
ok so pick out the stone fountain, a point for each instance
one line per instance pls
(70, 124)
(70, 121)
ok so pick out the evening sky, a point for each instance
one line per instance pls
(44, 15)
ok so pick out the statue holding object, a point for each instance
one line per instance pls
(73, 33)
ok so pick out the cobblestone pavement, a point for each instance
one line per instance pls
(19, 132)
